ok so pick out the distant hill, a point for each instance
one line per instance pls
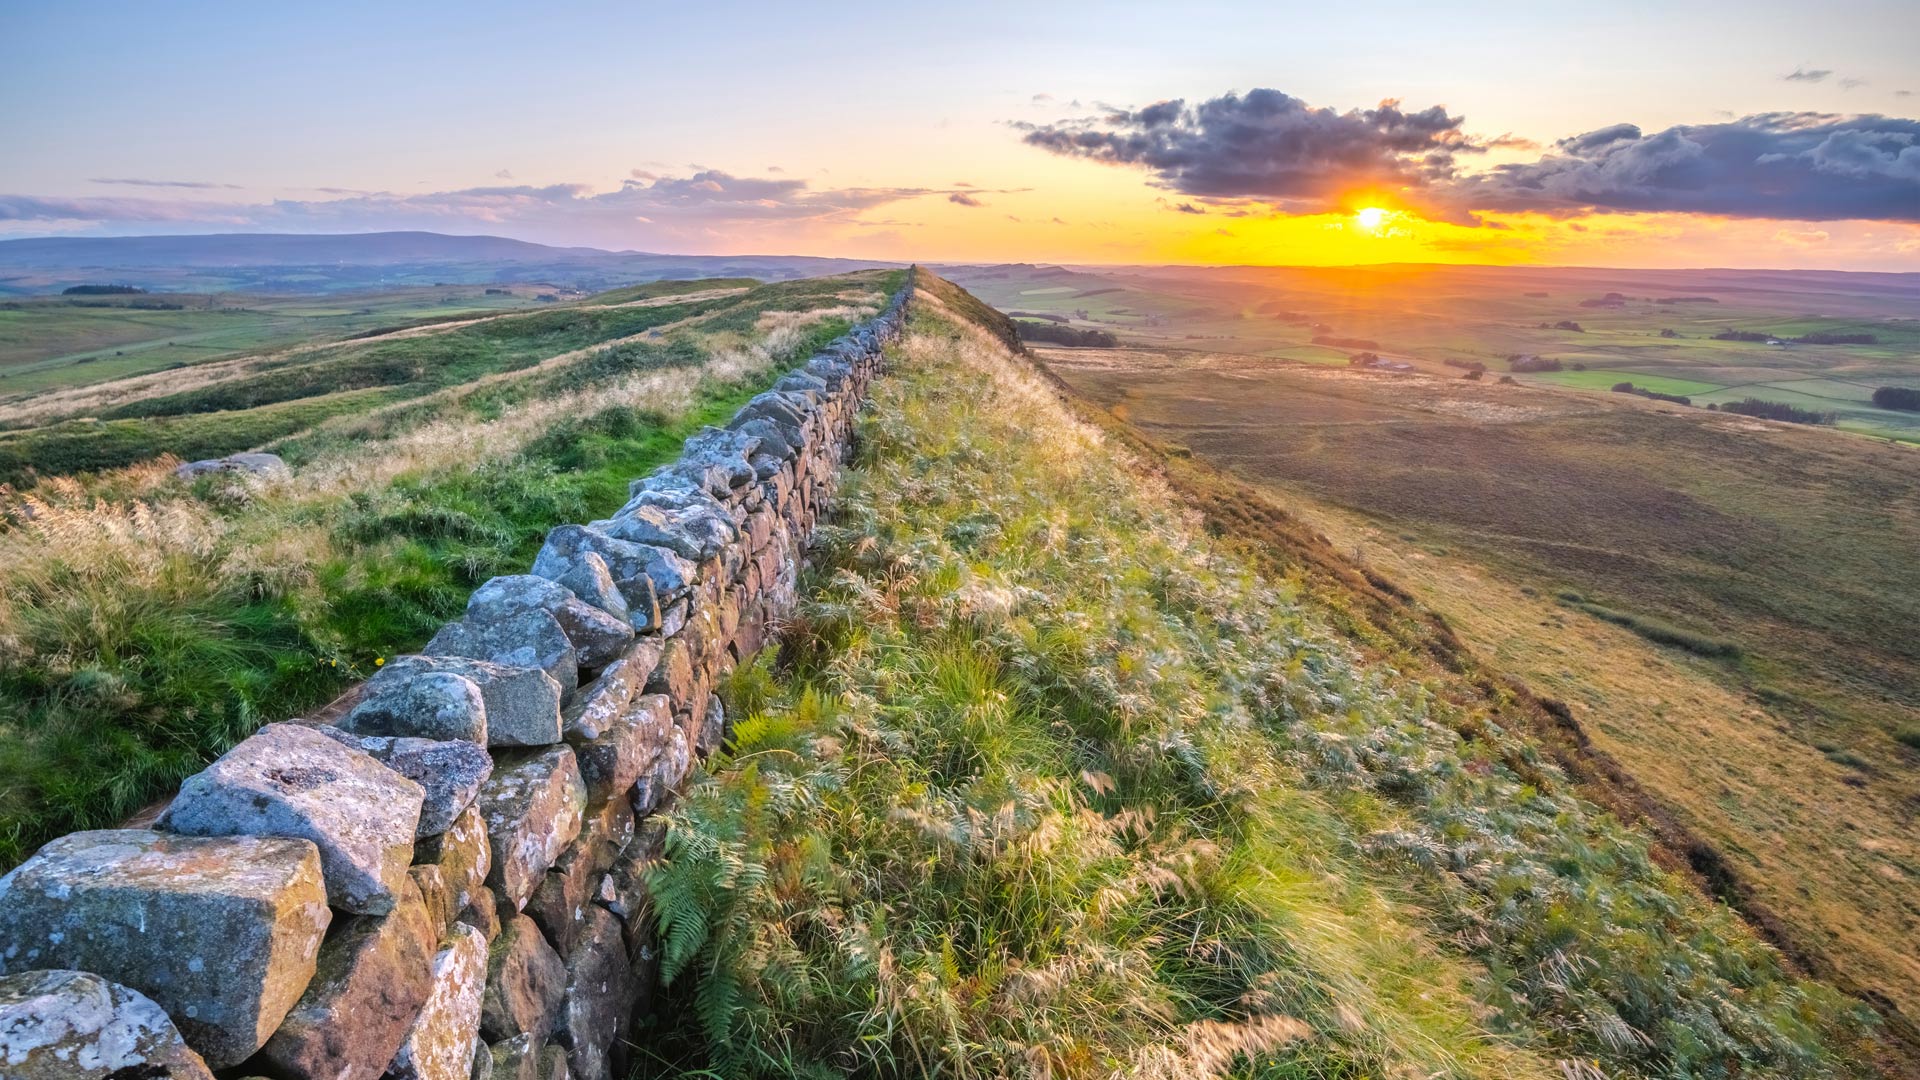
(275, 262)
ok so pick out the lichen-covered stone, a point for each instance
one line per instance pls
(407, 700)
(431, 883)
(533, 806)
(373, 977)
(601, 990)
(529, 639)
(589, 579)
(526, 984)
(664, 775)
(597, 636)
(667, 573)
(463, 857)
(290, 780)
(439, 1043)
(449, 771)
(612, 762)
(71, 1025)
(520, 706)
(222, 932)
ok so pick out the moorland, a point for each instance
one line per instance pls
(1721, 603)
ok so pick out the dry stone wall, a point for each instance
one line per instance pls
(448, 881)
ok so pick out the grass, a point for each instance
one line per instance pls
(147, 624)
(1047, 783)
(1605, 380)
(1662, 632)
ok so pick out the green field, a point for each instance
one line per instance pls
(150, 622)
(53, 341)
(1605, 380)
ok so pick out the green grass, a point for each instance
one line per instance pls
(1604, 380)
(1662, 632)
(1045, 783)
(147, 632)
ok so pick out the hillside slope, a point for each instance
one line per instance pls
(1049, 782)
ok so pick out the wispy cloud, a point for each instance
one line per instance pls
(1807, 74)
(139, 182)
(645, 208)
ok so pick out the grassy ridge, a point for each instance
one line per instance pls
(145, 625)
(1046, 783)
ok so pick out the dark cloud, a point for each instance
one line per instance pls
(961, 198)
(137, 182)
(1802, 166)
(1189, 208)
(1268, 151)
(1806, 74)
(1268, 146)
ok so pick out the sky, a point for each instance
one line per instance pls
(1760, 133)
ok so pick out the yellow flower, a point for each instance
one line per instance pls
(379, 660)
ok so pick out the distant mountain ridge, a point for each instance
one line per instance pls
(339, 262)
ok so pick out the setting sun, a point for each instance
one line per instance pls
(1371, 218)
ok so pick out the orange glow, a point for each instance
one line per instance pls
(1371, 218)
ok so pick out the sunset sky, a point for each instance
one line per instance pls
(1759, 133)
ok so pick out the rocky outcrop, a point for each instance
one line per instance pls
(478, 826)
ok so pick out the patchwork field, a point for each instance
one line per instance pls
(1655, 329)
(1724, 603)
(147, 622)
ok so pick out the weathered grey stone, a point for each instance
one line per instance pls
(526, 984)
(482, 1061)
(527, 639)
(222, 932)
(70, 1025)
(781, 444)
(406, 700)
(674, 674)
(533, 807)
(692, 529)
(669, 575)
(601, 991)
(520, 706)
(483, 914)
(612, 762)
(265, 466)
(598, 637)
(591, 581)
(373, 977)
(463, 857)
(601, 702)
(517, 1058)
(449, 772)
(665, 775)
(439, 1043)
(557, 906)
(291, 780)
(713, 729)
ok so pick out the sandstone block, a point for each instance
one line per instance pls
(449, 772)
(613, 761)
(533, 807)
(601, 991)
(520, 706)
(597, 636)
(462, 857)
(222, 933)
(293, 781)
(526, 639)
(405, 700)
(526, 984)
(439, 1043)
(373, 977)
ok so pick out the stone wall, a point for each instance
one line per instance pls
(448, 880)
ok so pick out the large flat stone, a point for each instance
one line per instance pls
(449, 772)
(526, 984)
(70, 1025)
(222, 933)
(374, 975)
(439, 1043)
(533, 806)
(291, 780)
(408, 700)
(520, 706)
